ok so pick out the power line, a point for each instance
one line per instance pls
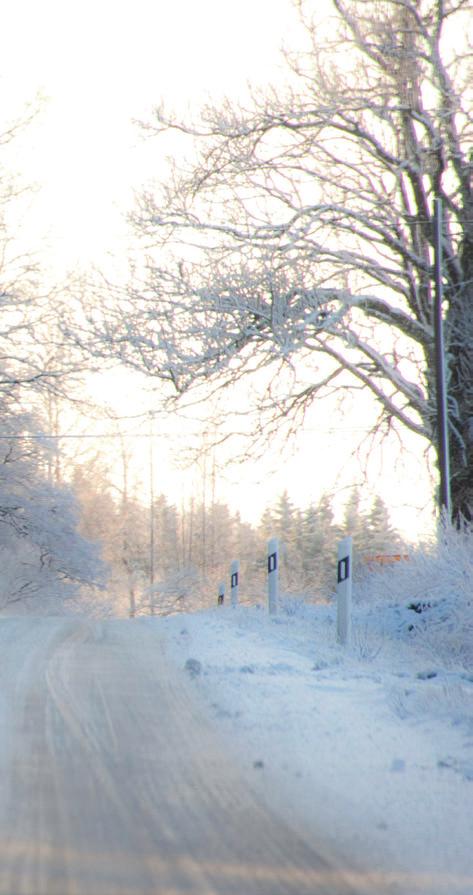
(148, 435)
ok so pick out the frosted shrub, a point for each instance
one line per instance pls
(434, 590)
(367, 644)
(182, 590)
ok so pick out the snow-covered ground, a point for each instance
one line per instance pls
(367, 748)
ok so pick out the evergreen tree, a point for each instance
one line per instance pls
(383, 538)
(286, 529)
(355, 523)
(167, 549)
(318, 545)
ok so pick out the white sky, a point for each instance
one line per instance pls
(102, 63)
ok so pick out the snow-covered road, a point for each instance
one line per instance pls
(114, 780)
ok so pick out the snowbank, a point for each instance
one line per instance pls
(368, 748)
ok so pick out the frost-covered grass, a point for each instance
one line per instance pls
(366, 748)
(427, 599)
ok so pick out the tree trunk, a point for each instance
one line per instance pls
(460, 394)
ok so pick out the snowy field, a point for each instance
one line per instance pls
(367, 748)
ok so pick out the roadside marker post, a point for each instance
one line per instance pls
(234, 581)
(273, 576)
(221, 593)
(344, 589)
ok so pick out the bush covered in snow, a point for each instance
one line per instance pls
(430, 592)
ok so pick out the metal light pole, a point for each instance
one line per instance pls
(440, 367)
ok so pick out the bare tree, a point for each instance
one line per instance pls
(44, 555)
(300, 237)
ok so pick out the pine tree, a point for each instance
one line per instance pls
(165, 522)
(318, 545)
(355, 523)
(383, 538)
(286, 529)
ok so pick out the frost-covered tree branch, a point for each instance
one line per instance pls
(300, 230)
(44, 557)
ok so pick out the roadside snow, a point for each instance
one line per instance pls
(367, 749)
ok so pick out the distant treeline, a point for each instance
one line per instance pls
(164, 556)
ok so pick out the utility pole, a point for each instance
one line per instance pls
(151, 515)
(440, 366)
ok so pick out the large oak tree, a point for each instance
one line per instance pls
(299, 234)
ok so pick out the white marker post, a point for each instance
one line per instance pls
(273, 575)
(344, 589)
(221, 593)
(234, 581)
